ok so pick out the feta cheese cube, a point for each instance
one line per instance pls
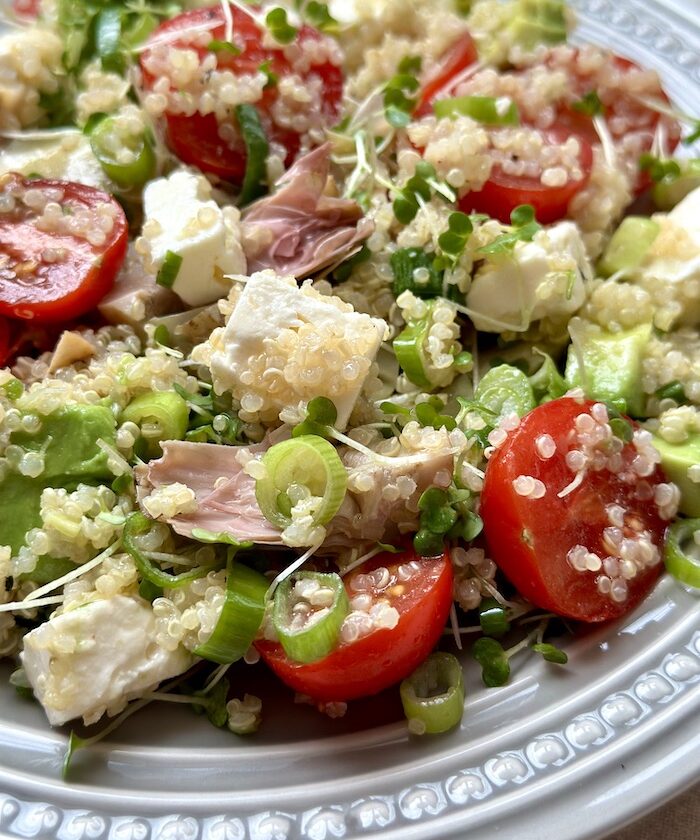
(539, 279)
(284, 345)
(94, 659)
(181, 217)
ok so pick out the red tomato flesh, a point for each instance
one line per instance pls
(531, 539)
(194, 137)
(503, 192)
(374, 662)
(457, 58)
(50, 275)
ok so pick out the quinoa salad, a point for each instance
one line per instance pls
(334, 344)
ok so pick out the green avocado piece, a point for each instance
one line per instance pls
(537, 22)
(608, 366)
(19, 503)
(68, 437)
(72, 451)
(675, 460)
(628, 245)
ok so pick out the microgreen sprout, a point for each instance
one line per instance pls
(280, 28)
(321, 415)
(524, 226)
(398, 100)
(265, 69)
(453, 241)
(318, 15)
(590, 105)
(659, 169)
(216, 46)
(493, 618)
(495, 667)
(212, 418)
(445, 514)
(418, 190)
(551, 653)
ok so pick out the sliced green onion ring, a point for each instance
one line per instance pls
(310, 461)
(433, 696)
(135, 173)
(241, 616)
(409, 347)
(161, 415)
(681, 564)
(318, 636)
(138, 524)
(483, 109)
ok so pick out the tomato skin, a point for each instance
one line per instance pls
(374, 662)
(529, 538)
(26, 8)
(195, 138)
(457, 58)
(502, 193)
(40, 291)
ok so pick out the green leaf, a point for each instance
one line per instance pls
(551, 653)
(214, 703)
(272, 78)
(410, 65)
(216, 46)
(694, 135)
(322, 410)
(521, 215)
(659, 169)
(590, 104)
(495, 668)
(428, 544)
(318, 15)
(257, 148)
(280, 28)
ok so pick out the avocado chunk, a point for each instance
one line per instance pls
(608, 366)
(537, 22)
(676, 458)
(628, 245)
(68, 438)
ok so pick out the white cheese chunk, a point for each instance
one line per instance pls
(539, 279)
(182, 218)
(96, 658)
(284, 345)
(66, 157)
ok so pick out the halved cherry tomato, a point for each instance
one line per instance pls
(52, 275)
(503, 192)
(629, 120)
(457, 58)
(195, 138)
(26, 8)
(385, 656)
(534, 540)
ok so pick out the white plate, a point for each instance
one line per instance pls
(559, 754)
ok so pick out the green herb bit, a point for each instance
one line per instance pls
(672, 391)
(167, 273)
(551, 653)
(454, 240)
(659, 169)
(495, 668)
(410, 266)
(524, 228)
(487, 110)
(257, 148)
(398, 101)
(694, 135)
(321, 415)
(345, 269)
(318, 15)
(590, 105)
(493, 618)
(621, 429)
(13, 389)
(266, 69)
(161, 335)
(280, 28)
(216, 46)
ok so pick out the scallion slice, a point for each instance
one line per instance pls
(167, 273)
(161, 415)
(241, 616)
(307, 461)
(680, 563)
(142, 165)
(433, 696)
(136, 525)
(484, 109)
(308, 638)
(409, 347)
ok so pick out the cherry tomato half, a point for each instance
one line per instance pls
(457, 58)
(504, 192)
(195, 137)
(373, 662)
(544, 542)
(47, 272)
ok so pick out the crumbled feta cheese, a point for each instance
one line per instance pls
(96, 658)
(542, 278)
(181, 217)
(285, 345)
